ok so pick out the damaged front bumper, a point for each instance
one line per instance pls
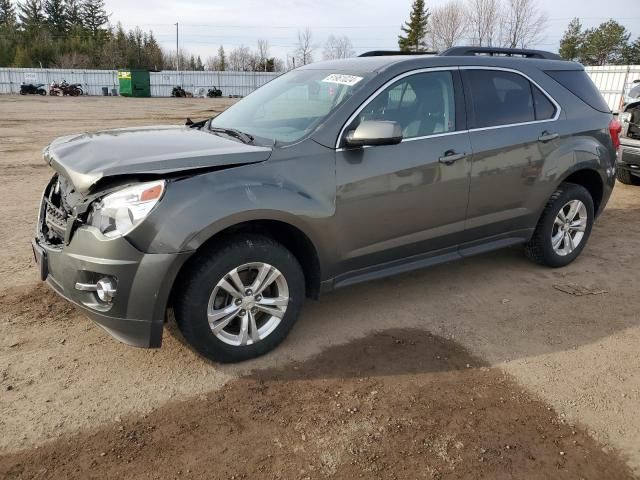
(134, 313)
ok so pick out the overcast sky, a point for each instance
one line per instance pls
(370, 24)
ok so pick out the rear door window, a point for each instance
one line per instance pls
(496, 97)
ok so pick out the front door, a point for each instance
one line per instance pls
(395, 201)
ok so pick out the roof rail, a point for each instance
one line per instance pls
(386, 53)
(495, 51)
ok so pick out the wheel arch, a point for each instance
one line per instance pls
(591, 180)
(297, 241)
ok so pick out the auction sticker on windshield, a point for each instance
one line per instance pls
(342, 79)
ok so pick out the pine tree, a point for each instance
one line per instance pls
(153, 53)
(415, 29)
(73, 15)
(604, 44)
(572, 40)
(22, 58)
(222, 59)
(7, 13)
(94, 17)
(631, 53)
(199, 64)
(31, 15)
(56, 16)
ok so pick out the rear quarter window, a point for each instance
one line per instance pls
(579, 83)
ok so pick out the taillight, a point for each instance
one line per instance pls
(614, 130)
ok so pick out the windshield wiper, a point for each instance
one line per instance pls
(232, 132)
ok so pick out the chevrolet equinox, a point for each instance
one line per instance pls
(332, 174)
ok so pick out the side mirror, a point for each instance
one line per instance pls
(374, 132)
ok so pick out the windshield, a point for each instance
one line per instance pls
(290, 106)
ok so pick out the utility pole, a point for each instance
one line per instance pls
(177, 56)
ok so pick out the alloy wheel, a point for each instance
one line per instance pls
(248, 304)
(569, 227)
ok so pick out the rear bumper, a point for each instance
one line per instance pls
(143, 283)
(629, 158)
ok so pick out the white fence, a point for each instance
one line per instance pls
(611, 80)
(93, 81)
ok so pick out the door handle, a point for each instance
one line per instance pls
(450, 157)
(547, 137)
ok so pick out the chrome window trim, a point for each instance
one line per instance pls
(456, 132)
(544, 92)
(382, 89)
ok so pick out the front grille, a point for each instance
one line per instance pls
(54, 217)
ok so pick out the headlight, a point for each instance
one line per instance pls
(120, 212)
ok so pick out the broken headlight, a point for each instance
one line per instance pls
(118, 213)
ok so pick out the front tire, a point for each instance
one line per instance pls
(564, 227)
(240, 298)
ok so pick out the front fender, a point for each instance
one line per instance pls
(300, 193)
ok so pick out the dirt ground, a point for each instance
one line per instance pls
(491, 367)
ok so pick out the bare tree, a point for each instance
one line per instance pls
(240, 59)
(484, 18)
(278, 65)
(448, 25)
(211, 63)
(304, 47)
(337, 47)
(523, 24)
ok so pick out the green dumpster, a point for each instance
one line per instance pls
(134, 83)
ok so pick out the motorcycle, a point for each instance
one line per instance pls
(72, 89)
(178, 91)
(64, 88)
(31, 89)
(214, 92)
(54, 89)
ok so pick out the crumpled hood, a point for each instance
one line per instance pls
(86, 158)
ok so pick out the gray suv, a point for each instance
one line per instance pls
(332, 174)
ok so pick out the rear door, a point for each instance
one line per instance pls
(396, 201)
(513, 127)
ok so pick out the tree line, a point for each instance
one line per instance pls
(608, 43)
(78, 34)
(71, 34)
(490, 23)
(513, 24)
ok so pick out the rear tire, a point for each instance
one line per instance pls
(202, 303)
(625, 176)
(550, 244)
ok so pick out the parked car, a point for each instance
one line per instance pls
(32, 89)
(628, 167)
(332, 174)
